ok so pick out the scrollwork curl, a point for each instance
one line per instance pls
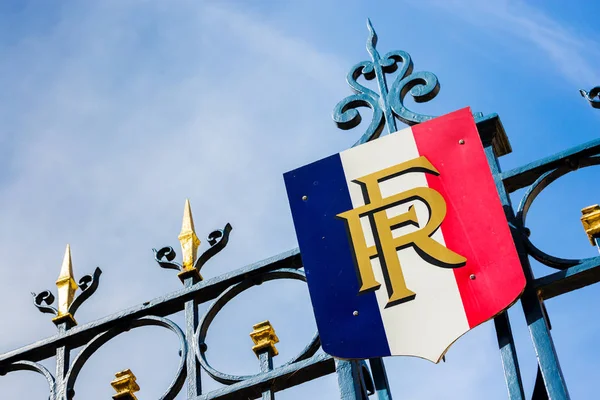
(422, 86)
(102, 338)
(217, 240)
(165, 256)
(347, 117)
(43, 301)
(593, 96)
(219, 303)
(88, 285)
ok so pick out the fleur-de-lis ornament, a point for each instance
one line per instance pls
(191, 264)
(387, 105)
(68, 302)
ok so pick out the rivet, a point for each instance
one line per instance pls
(472, 277)
(304, 198)
(461, 141)
(355, 313)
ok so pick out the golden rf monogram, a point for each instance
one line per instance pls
(386, 246)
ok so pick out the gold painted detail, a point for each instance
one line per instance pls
(382, 226)
(66, 290)
(263, 337)
(125, 385)
(591, 222)
(189, 243)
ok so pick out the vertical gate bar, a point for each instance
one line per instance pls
(194, 382)
(510, 362)
(63, 360)
(532, 306)
(349, 381)
(508, 352)
(380, 379)
(266, 364)
(542, 341)
(264, 337)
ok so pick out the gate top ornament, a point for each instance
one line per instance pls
(68, 303)
(387, 105)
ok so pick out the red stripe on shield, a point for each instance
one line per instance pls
(475, 225)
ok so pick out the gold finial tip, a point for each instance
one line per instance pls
(66, 287)
(264, 337)
(66, 270)
(188, 239)
(188, 220)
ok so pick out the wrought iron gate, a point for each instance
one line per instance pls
(357, 379)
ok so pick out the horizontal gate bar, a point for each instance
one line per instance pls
(279, 379)
(570, 279)
(521, 177)
(160, 306)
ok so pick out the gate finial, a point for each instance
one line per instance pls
(68, 302)
(264, 337)
(125, 384)
(191, 263)
(189, 243)
(66, 287)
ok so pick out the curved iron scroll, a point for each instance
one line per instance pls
(593, 96)
(220, 302)
(101, 339)
(531, 194)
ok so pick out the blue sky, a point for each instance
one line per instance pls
(114, 112)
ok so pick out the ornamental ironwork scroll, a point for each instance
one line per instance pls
(357, 379)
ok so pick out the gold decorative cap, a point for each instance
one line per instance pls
(591, 222)
(264, 337)
(125, 385)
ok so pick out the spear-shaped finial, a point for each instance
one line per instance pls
(189, 243)
(68, 303)
(66, 290)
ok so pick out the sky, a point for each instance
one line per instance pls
(112, 113)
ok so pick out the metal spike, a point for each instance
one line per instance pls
(189, 241)
(66, 287)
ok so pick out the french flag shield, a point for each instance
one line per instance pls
(404, 241)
